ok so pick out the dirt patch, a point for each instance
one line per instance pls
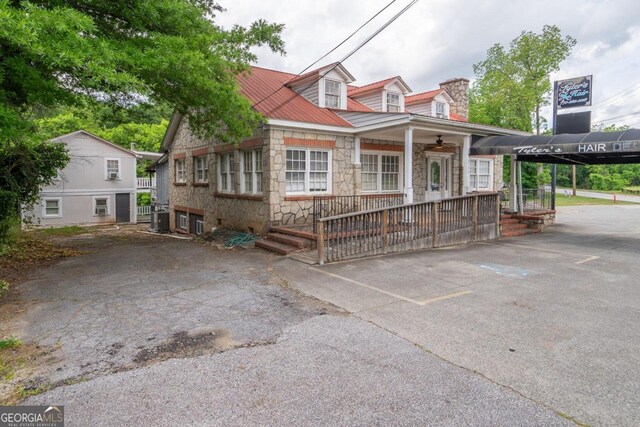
(19, 372)
(183, 344)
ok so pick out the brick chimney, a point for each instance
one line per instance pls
(458, 89)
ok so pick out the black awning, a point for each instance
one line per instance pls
(584, 148)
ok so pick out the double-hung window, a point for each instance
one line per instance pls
(200, 170)
(332, 94)
(225, 173)
(393, 102)
(441, 110)
(252, 172)
(113, 168)
(380, 172)
(308, 171)
(180, 171)
(52, 208)
(480, 174)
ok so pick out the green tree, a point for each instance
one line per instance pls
(167, 52)
(513, 84)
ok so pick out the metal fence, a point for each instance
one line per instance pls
(443, 223)
(326, 206)
(533, 199)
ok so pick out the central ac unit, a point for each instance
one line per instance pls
(113, 175)
(101, 210)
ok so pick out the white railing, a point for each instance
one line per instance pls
(146, 182)
(144, 210)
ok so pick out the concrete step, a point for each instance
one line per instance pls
(291, 231)
(277, 247)
(509, 221)
(519, 232)
(287, 239)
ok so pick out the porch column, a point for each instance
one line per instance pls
(357, 168)
(408, 166)
(513, 187)
(466, 147)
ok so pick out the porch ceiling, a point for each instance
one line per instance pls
(420, 135)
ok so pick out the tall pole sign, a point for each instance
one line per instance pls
(569, 93)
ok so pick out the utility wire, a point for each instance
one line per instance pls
(613, 99)
(635, 113)
(347, 56)
(330, 51)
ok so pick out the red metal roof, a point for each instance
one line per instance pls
(422, 97)
(265, 88)
(352, 91)
(353, 105)
(454, 116)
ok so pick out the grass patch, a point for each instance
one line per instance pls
(562, 200)
(4, 287)
(70, 230)
(10, 342)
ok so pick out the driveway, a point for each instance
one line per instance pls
(150, 330)
(554, 316)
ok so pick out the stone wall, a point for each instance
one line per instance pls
(236, 211)
(297, 209)
(458, 89)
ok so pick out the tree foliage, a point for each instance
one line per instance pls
(512, 84)
(167, 52)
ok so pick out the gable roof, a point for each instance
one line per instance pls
(95, 137)
(422, 97)
(337, 66)
(268, 91)
(355, 90)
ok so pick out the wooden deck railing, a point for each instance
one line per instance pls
(438, 224)
(326, 206)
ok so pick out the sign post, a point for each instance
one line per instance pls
(569, 93)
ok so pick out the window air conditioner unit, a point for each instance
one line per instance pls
(101, 210)
(440, 115)
(113, 175)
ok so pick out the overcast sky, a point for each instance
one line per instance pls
(440, 39)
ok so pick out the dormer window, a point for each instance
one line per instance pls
(393, 102)
(440, 110)
(331, 94)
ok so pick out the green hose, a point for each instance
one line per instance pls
(241, 239)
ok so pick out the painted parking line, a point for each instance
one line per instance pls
(391, 294)
(591, 258)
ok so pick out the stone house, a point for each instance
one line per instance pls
(325, 136)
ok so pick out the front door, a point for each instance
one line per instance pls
(123, 207)
(438, 177)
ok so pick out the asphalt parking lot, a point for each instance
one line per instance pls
(554, 316)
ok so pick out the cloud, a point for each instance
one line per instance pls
(439, 39)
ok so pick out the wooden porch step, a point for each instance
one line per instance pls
(294, 231)
(513, 226)
(509, 221)
(277, 247)
(287, 239)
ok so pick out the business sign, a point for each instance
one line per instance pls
(578, 148)
(574, 92)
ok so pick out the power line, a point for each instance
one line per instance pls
(330, 51)
(347, 56)
(614, 98)
(635, 113)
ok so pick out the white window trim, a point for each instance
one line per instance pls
(184, 168)
(108, 204)
(386, 101)
(324, 92)
(254, 173)
(199, 227)
(196, 169)
(445, 107)
(307, 172)
(44, 207)
(379, 154)
(106, 168)
(186, 222)
(491, 173)
(229, 158)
